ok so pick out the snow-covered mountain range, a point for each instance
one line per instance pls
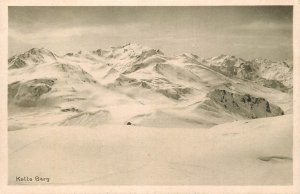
(132, 115)
(134, 84)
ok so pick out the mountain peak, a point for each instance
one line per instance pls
(32, 56)
(135, 46)
(36, 51)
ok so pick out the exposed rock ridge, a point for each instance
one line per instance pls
(245, 105)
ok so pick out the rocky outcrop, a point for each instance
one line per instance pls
(16, 63)
(275, 84)
(244, 105)
(28, 93)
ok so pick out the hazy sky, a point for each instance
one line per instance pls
(248, 32)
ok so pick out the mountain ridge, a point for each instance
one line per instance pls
(146, 82)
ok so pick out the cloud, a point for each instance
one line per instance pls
(65, 33)
(206, 31)
(259, 25)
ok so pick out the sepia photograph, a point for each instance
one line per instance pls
(150, 95)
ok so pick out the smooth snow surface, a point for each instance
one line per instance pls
(249, 152)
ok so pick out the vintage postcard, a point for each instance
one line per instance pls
(149, 97)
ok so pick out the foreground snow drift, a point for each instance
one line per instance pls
(248, 152)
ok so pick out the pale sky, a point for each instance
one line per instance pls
(247, 32)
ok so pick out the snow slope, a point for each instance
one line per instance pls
(249, 152)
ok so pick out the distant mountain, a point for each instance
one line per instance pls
(277, 75)
(33, 56)
(141, 86)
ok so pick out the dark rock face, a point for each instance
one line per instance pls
(245, 105)
(16, 63)
(275, 84)
(71, 109)
(28, 93)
